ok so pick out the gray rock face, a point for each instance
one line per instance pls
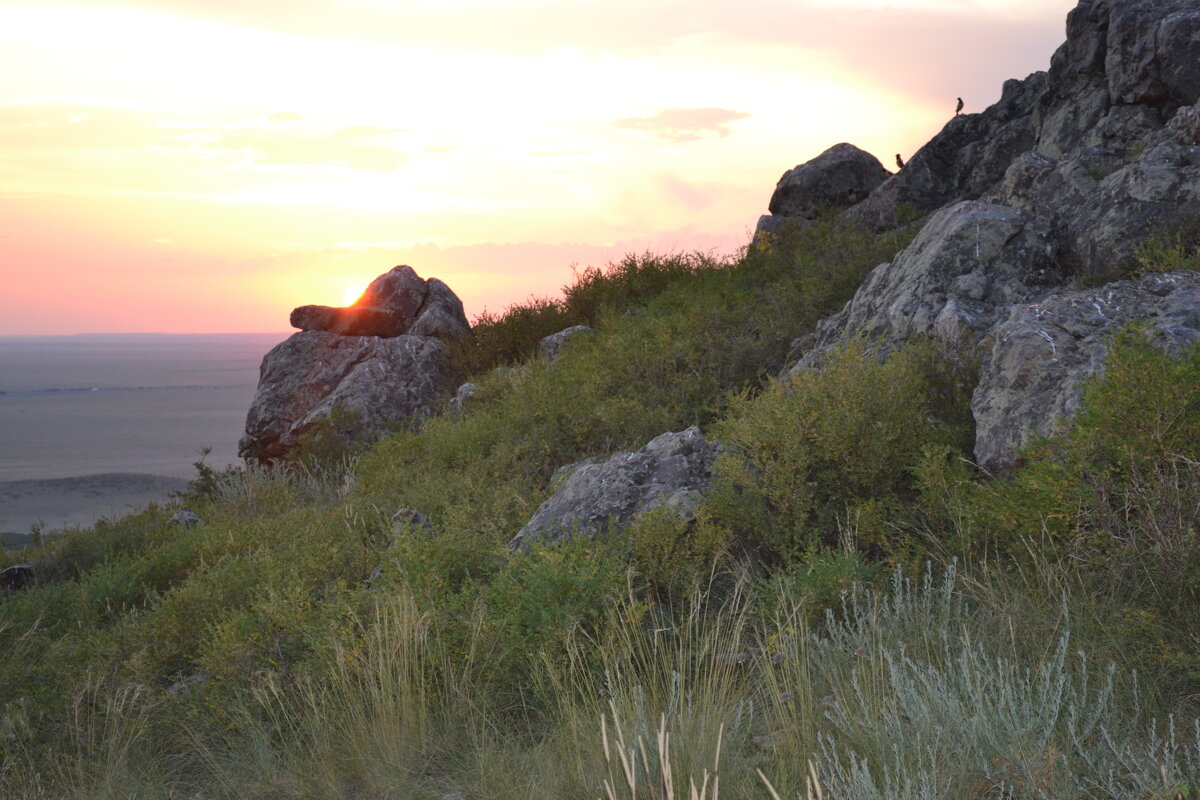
(396, 303)
(963, 161)
(1031, 380)
(552, 346)
(1125, 68)
(377, 382)
(441, 314)
(838, 178)
(1104, 204)
(968, 264)
(674, 470)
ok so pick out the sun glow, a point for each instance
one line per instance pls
(352, 294)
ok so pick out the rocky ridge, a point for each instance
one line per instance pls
(1054, 187)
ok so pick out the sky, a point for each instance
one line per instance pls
(192, 166)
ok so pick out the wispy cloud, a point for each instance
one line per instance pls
(684, 124)
(352, 148)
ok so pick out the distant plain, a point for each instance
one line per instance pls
(95, 426)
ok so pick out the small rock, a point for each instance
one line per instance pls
(552, 346)
(464, 395)
(409, 520)
(184, 684)
(185, 517)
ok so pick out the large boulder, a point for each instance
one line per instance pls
(396, 303)
(968, 265)
(376, 383)
(674, 471)
(1032, 379)
(838, 178)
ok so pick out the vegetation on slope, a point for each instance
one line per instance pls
(775, 641)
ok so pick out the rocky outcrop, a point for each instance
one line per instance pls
(674, 471)
(1103, 205)
(350, 320)
(396, 303)
(966, 159)
(373, 365)
(552, 346)
(1126, 67)
(838, 178)
(1060, 183)
(970, 263)
(1032, 378)
(375, 383)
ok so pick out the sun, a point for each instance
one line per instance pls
(352, 293)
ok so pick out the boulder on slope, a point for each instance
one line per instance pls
(838, 178)
(376, 382)
(674, 470)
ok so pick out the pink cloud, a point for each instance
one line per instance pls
(684, 124)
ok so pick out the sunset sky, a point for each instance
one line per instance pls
(206, 165)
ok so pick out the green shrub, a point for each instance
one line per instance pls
(828, 454)
(1176, 247)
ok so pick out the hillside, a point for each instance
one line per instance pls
(901, 502)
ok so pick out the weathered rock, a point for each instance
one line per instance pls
(1031, 380)
(968, 157)
(674, 471)
(968, 264)
(1125, 68)
(441, 314)
(399, 289)
(1103, 206)
(838, 178)
(378, 384)
(552, 346)
(396, 303)
(182, 685)
(1153, 51)
(185, 517)
(350, 320)
(464, 395)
